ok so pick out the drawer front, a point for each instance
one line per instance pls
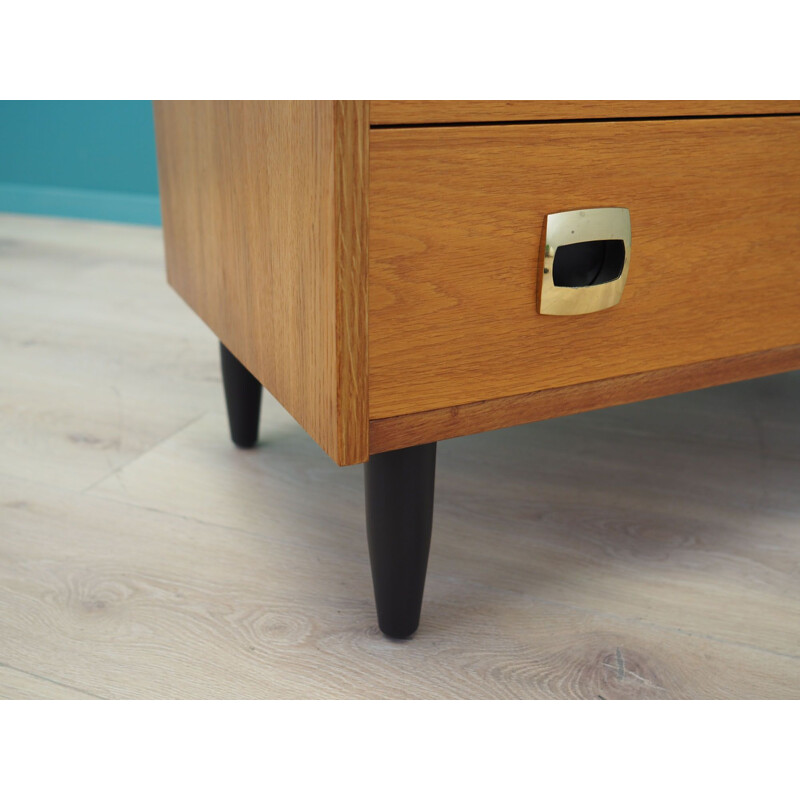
(456, 220)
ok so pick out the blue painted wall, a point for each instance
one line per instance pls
(82, 158)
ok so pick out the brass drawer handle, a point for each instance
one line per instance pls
(586, 258)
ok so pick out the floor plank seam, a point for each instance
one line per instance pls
(50, 680)
(135, 458)
(260, 536)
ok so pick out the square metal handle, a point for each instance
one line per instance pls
(586, 258)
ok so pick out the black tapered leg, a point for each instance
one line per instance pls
(399, 493)
(243, 398)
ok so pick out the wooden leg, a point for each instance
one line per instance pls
(243, 398)
(399, 494)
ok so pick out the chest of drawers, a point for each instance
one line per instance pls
(378, 268)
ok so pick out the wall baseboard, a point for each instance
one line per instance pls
(51, 201)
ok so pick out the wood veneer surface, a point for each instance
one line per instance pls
(264, 209)
(456, 218)
(445, 423)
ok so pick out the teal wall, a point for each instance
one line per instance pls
(94, 159)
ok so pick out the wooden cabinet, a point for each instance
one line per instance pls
(375, 265)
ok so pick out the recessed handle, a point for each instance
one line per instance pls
(586, 260)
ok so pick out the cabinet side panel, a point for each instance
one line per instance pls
(250, 227)
(351, 191)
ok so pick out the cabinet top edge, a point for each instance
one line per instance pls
(392, 113)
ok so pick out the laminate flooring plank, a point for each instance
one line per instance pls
(697, 538)
(126, 602)
(17, 684)
(99, 359)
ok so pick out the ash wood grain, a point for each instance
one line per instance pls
(445, 423)
(196, 570)
(264, 224)
(456, 220)
(416, 112)
(351, 201)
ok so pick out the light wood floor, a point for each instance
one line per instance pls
(651, 550)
